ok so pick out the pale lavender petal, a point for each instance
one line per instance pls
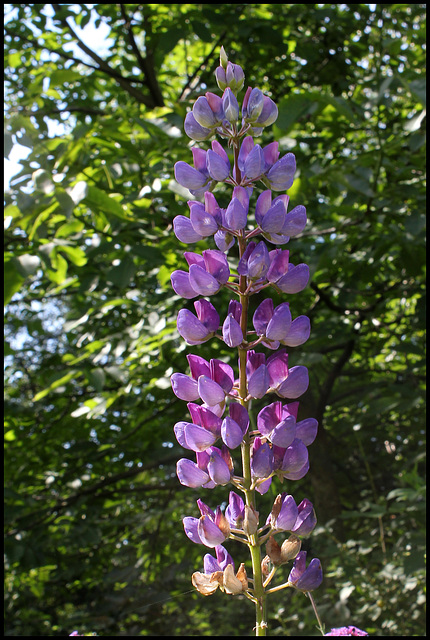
(190, 475)
(203, 282)
(181, 284)
(184, 387)
(189, 177)
(209, 391)
(203, 223)
(190, 328)
(184, 230)
(231, 332)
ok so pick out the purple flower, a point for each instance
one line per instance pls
(217, 162)
(272, 323)
(306, 519)
(258, 109)
(210, 381)
(286, 276)
(255, 261)
(305, 579)
(261, 459)
(205, 115)
(284, 513)
(231, 329)
(206, 276)
(198, 330)
(235, 511)
(288, 383)
(211, 529)
(281, 175)
(194, 130)
(235, 216)
(278, 425)
(230, 76)
(346, 631)
(235, 425)
(223, 558)
(191, 475)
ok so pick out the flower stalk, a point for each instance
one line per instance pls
(219, 399)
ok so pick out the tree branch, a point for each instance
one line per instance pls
(103, 65)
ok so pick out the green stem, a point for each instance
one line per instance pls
(253, 539)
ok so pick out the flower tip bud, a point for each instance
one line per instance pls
(223, 58)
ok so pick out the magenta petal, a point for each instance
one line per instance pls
(207, 314)
(217, 265)
(296, 383)
(222, 373)
(297, 475)
(239, 415)
(277, 366)
(198, 366)
(209, 391)
(189, 474)
(182, 286)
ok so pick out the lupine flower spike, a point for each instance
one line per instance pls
(219, 394)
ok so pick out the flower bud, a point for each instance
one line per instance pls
(250, 522)
(273, 551)
(230, 106)
(290, 548)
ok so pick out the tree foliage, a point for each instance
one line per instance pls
(93, 507)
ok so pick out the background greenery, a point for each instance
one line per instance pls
(94, 539)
